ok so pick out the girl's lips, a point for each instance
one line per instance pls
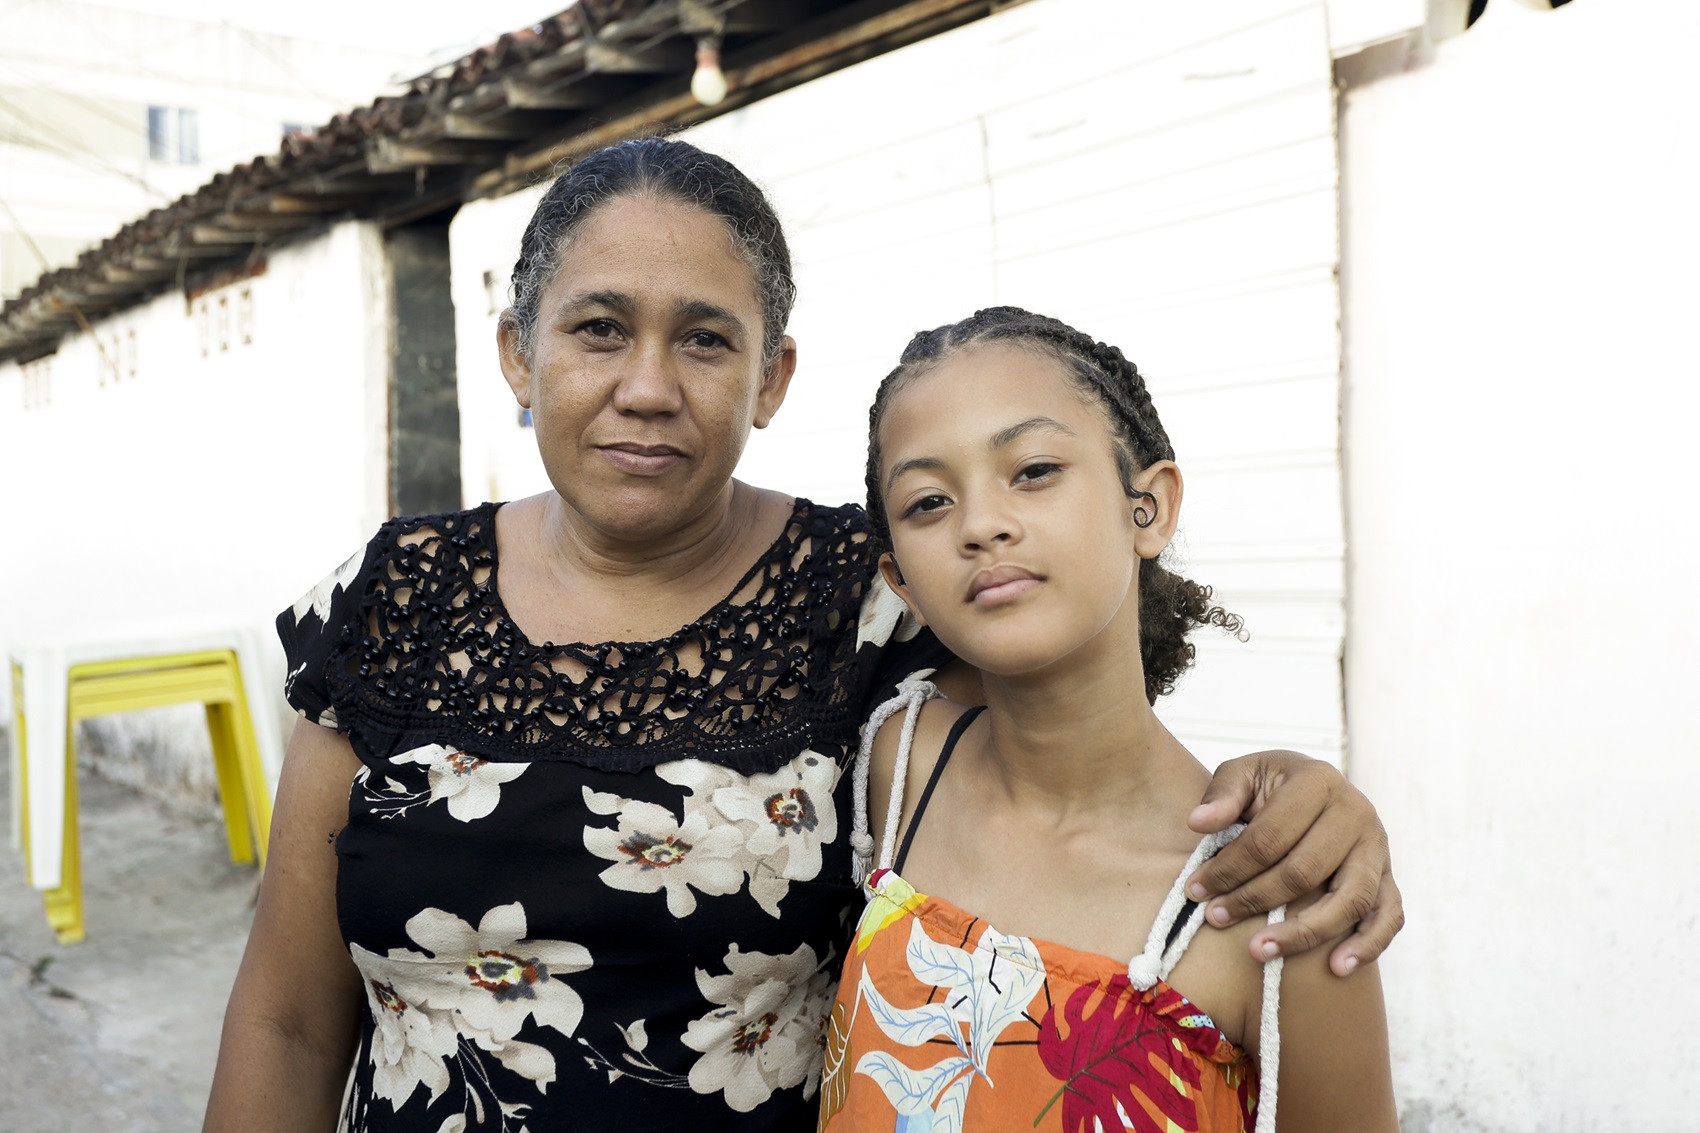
(642, 460)
(1004, 592)
(1000, 584)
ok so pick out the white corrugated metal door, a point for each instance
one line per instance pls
(1162, 176)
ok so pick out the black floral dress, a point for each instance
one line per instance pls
(594, 886)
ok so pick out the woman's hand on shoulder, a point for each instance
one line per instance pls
(1308, 830)
(1335, 1073)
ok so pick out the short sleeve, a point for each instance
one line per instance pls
(891, 646)
(310, 631)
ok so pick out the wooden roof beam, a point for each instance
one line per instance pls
(533, 94)
(675, 54)
(388, 155)
(501, 125)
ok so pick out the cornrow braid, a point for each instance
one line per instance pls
(1170, 607)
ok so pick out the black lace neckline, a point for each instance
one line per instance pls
(430, 650)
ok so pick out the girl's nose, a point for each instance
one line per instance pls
(649, 386)
(986, 525)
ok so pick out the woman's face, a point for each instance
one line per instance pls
(645, 374)
(1010, 527)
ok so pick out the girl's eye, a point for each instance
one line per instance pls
(925, 504)
(1038, 470)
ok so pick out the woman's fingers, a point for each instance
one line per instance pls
(1347, 907)
(1308, 830)
(1375, 932)
(1284, 796)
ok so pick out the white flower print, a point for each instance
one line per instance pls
(472, 786)
(766, 1034)
(410, 1043)
(788, 816)
(884, 619)
(653, 851)
(470, 991)
(989, 988)
(318, 599)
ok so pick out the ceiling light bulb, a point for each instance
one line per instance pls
(709, 82)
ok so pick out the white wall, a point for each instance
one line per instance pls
(75, 86)
(1520, 294)
(212, 480)
(1162, 177)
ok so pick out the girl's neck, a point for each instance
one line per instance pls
(1081, 738)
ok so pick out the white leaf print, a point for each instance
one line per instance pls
(952, 1108)
(454, 1123)
(395, 788)
(601, 802)
(318, 599)
(528, 1060)
(636, 1037)
(909, 1090)
(999, 980)
(910, 1026)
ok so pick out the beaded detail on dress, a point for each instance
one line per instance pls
(430, 641)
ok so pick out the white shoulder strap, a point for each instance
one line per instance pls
(1160, 957)
(911, 694)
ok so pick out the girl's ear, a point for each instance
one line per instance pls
(1162, 508)
(516, 367)
(894, 579)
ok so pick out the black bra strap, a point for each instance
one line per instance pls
(956, 731)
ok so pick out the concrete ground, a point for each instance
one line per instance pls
(119, 1032)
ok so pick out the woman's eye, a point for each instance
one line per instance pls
(1038, 470)
(602, 330)
(704, 340)
(924, 505)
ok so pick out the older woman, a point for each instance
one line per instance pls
(561, 841)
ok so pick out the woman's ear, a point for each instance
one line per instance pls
(894, 578)
(1161, 507)
(516, 367)
(775, 380)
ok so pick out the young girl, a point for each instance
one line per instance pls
(1027, 850)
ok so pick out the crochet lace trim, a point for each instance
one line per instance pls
(749, 684)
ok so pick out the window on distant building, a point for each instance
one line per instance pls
(173, 135)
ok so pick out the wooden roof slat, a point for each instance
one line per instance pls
(489, 124)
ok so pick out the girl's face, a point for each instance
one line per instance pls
(1012, 534)
(645, 374)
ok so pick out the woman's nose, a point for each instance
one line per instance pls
(649, 385)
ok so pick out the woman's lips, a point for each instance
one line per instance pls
(1001, 584)
(642, 460)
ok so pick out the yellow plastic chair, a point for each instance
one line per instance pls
(212, 678)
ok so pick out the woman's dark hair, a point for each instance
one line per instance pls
(1170, 607)
(663, 169)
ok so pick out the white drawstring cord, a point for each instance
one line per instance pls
(1159, 959)
(911, 694)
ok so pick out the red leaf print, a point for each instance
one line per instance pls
(1121, 1053)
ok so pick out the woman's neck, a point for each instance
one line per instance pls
(577, 551)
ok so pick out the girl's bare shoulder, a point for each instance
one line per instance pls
(932, 727)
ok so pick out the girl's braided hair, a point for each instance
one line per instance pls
(662, 169)
(1170, 607)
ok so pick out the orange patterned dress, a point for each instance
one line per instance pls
(943, 1023)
